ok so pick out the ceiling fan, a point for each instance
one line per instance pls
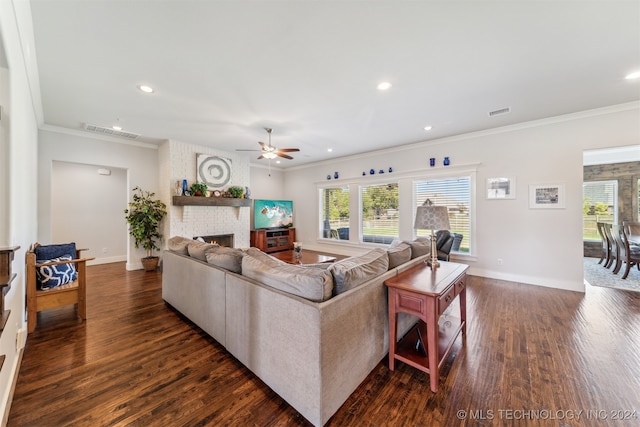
(271, 152)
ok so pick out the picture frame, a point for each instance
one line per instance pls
(501, 188)
(547, 196)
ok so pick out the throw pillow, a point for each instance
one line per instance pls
(311, 283)
(178, 244)
(227, 258)
(52, 276)
(399, 254)
(48, 252)
(420, 246)
(198, 250)
(354, 271)
(265, 258)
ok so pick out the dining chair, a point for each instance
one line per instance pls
(631, 253)
(612, 251)
(632, 229)
(606, 247)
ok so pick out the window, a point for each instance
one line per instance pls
(335, 213)
(599, 204)
(379, 219)
(455, 194)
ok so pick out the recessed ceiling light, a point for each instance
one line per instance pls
(277, 161)
(145, 88)
(115, 127)
(384, 86)
(428, 128)
(330, 149)
(633, 75)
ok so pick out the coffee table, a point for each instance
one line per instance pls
(308, 257)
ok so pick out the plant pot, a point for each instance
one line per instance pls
(150, 263)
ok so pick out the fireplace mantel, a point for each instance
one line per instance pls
(210, 201)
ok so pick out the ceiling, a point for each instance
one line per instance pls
(222, 71)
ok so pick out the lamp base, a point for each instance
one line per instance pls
(433, 258)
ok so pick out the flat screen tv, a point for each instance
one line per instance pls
(272, 213)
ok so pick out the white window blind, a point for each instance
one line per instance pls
(455, 194)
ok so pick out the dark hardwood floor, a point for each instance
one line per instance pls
(528, 350)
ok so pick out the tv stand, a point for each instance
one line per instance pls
(273, 239)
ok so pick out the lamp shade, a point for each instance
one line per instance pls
(432, 217)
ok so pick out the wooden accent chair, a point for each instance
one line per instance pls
(56, 276)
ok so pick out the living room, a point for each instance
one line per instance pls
(536, 246)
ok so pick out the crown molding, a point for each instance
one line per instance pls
(487, 132)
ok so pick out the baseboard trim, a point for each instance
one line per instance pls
(14, 382)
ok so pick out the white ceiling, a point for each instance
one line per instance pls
(224, 70)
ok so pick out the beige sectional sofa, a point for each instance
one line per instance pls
(312, 353)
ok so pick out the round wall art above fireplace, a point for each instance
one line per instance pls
(213, 170)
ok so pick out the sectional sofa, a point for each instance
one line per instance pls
(311, 333)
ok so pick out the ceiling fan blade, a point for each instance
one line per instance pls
(284, 156)
(261, 157)
(288, 150)
(264, 146)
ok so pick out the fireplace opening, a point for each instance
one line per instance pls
(225, 240)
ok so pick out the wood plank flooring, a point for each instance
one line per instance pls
(528, 350)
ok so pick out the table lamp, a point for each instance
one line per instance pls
(431, 217)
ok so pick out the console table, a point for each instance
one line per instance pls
(424, 293)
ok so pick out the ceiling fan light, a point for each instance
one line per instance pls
(269, 155)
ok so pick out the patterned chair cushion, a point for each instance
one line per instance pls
(52, 276)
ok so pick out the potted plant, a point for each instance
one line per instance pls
(198, 189)
(236, 192)
(144, 216)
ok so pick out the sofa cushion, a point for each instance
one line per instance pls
(178, 244)
(420, 246)
(311, 283)
(354, 271)
(198, 250)
(399, 254)
(227, 258)
(52, 276)
(265, 258)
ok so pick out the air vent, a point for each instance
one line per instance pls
(109, 131)
(500, 112)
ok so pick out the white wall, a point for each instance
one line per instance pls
(541, 247)
(95, 220)
(18, 148)
(140, 161)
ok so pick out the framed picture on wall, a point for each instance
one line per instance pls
(501, 188)
(547, 196)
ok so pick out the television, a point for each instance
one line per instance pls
(272, 213)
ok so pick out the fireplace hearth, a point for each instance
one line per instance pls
(220, 239)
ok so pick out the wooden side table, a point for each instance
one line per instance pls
(424, 293)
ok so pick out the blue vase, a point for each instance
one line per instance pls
(372, 171)
(335, 175)
(363, 173)
(446, 161)
(432, 161)
(185, 187)
(390, 169)
(328, 177)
